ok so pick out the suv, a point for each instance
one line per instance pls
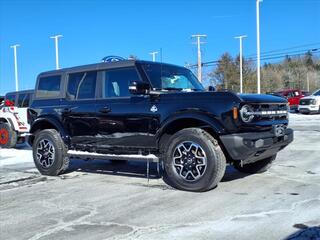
(157, 111)
(293, 96)
(14, 125)
(310, 104)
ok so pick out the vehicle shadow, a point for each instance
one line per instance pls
(136, 169)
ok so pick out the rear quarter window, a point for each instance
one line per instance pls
(49, 87)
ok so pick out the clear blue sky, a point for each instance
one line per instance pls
(94, 29)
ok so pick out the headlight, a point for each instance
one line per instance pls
(246, 113)
(313, 101)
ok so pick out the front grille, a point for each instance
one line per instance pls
(305, 101)
(269, 111)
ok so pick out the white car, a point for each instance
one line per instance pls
(14, 125)
(310, 104)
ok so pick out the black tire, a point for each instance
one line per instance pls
(44, 142)
(8, 137)
(256, 167)
(207, 177)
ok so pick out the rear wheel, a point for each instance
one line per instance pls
(50, 153)
(8, 137)
(256, 167)
(193, 161)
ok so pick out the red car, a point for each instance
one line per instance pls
(293, 96)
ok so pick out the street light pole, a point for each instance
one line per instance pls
(258, 44)
(153, 56)
(198, 36)
(15, 65)
(241, 80)
(56, 37)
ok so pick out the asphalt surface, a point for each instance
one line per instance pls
(102, 200)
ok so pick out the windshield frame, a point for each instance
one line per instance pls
(193, 80)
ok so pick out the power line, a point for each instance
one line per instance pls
(283, 49)
(267, 57)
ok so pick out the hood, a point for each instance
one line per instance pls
(262, 98)
(311, 97)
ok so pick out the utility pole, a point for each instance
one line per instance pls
(15, 65)
(240, 40)
(258, 44)
(56, 37)
(153, 56)
(308, 82)
(198, 36)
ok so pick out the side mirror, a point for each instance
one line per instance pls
(211, 89)
(139, 88)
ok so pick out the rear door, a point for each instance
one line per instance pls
(79, 106)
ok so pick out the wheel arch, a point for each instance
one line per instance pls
(7, 120)
(47, 122)
(177, 123)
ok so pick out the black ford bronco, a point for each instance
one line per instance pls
(137, 109)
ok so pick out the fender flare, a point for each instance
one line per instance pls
(209, 121)
(54, 122)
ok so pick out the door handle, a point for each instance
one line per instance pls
(105, 110)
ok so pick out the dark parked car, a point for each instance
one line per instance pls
(121, 109)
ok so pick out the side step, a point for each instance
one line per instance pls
(90, 155)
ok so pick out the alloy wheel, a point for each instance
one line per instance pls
(189, 161)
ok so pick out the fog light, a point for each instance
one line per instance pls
(259, 143)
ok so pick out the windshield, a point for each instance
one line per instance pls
(317, 93)
(167, 77)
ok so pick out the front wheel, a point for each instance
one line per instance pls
(193, 161)
(50, 153)
(256, 167)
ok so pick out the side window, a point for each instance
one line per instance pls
(49, 86)
(116, 82)
(82, 85)
(20, 99)
(25, 102)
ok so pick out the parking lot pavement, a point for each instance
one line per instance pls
(101, 200)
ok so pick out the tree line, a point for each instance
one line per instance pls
(302, 72)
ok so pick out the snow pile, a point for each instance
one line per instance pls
(15, 156)
(304, 119)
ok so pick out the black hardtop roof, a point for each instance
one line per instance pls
(21, 92)
(102, 65)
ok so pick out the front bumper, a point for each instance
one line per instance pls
(254, 146)
(309, 108)
(293, 107)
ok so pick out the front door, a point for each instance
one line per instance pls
(124, 120)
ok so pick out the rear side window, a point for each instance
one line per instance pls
(49, 86)
(23, 100)
(82, 85)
